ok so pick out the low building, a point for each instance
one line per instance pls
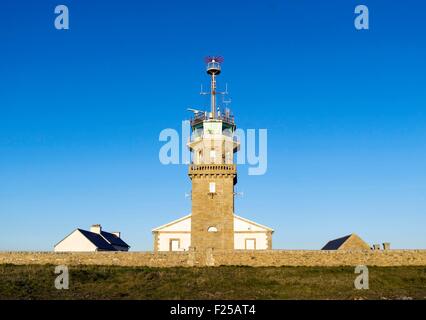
(176, 235)
(349, 242)
(90, 241)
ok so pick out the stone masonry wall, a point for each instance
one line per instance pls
(212, 210)
(217, 258)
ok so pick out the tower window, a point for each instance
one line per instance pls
(228, 157)
(212, 229)
(212, 187)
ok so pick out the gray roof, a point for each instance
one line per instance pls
(97, 240)
(104, 241)
(336, 243)
(114, 240)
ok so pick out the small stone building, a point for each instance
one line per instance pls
(349, 242)
(90, 241)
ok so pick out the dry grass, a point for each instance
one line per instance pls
(108, 282)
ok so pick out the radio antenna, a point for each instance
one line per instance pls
(213, 69)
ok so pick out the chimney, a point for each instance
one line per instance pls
(116, 233)
(386, 245)
(96, 228)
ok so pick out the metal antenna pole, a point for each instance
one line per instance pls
(213, 69)
(213, 95)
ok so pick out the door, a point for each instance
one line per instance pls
(174, 244)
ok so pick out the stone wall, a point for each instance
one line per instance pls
(217, 258)
(323, 258)
(151, 259)
(212, 209)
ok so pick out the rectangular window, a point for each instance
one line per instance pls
(250, 244)
(212, 187)
(228, 158)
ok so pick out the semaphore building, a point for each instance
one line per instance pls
(212, 224)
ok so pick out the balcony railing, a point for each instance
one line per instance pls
(200, 117)
(212, 168)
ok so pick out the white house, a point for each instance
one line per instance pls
(89, 241)
(176, 235)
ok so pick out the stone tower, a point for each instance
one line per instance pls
(213, 173)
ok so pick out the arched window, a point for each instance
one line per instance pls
(212, 229)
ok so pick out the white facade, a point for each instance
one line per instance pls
(178, 231)
(75, 242)
(249, 235)
(176, 235)
(90, 241)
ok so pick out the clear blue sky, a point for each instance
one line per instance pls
(81, 111)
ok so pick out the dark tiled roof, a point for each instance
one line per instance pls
(114, 240)
(97, 240)
(335, 244)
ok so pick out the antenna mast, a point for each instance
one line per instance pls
(213, 69)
